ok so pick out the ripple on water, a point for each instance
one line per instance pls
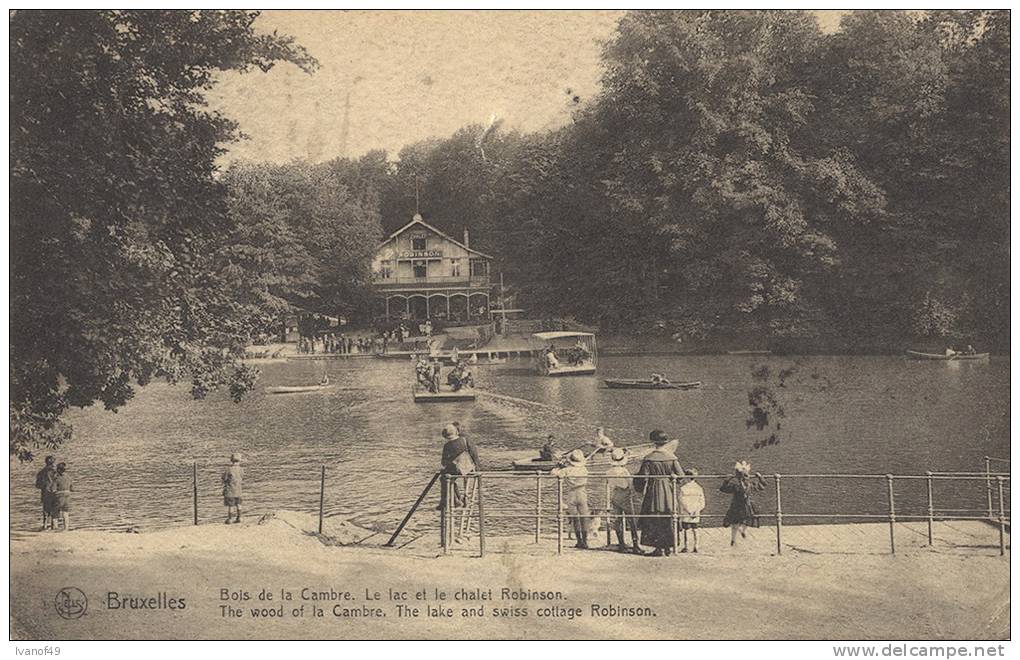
(844, 414)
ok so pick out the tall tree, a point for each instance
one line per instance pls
(115, 209)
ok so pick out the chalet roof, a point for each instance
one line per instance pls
(417, 220)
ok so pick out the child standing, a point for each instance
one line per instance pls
(742, 512)
(622, 499)
(692, 503)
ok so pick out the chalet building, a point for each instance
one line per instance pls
(419, 272)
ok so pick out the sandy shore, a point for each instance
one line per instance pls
(719, 593)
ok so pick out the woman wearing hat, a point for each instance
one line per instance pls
(575, 494)
(231, 478)
(742, 512)
(622, 499)
(655, 481)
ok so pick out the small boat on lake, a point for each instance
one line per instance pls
(636, 384)
(422, 395)
(295, 389)
(578, 351)
(749, 352)
(596, 461)
(918, 355)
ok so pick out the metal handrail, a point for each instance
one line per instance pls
(893, 516)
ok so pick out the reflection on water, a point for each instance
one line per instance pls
(844, 414)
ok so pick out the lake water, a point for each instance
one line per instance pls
(873, 415)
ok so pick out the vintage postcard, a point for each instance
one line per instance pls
(511, 325)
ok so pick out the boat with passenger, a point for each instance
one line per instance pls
(649, 384)
(565, 353)
(596, 461)
(949, 356)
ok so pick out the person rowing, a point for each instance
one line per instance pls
(659, 379)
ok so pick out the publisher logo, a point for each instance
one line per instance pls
(70, 603)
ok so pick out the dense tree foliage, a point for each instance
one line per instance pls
(116, 216)
(742, 172)
(304, 236)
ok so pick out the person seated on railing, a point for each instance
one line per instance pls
(603, 443)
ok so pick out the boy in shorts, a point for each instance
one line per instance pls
(692, 503)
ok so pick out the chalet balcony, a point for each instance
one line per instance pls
(434, 282)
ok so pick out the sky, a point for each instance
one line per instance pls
(412, 75)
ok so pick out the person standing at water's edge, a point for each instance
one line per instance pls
(654, 480)
(232, 477)
(459, 458)
(44, 482)
(62, 488)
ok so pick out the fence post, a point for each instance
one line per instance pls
(1002, 520)
(481, 516)
(892, 515)
(538, 507)
(674, 522)
(444, 514)
(559, 514)
(988, 484)
(194, 489)
(779, 516)
(322, 495)
(931, 510)
(609, 516)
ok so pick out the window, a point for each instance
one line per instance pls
(420, 269)
(418, 243)
(385, 270)
(455, 267)
(479, 268)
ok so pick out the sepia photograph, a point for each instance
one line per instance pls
(507, 324)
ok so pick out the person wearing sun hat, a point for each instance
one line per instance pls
(232, 477)
(622, 499)
(655, 481)
(575, 494)
(742, 512)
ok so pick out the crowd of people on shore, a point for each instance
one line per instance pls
(643, 501)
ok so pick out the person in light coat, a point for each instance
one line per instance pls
(692, 503)
(575, 494)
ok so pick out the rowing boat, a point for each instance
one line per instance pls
(422, 395)
(596, 461)
(633, 384)
(918, 355)
(295, 389)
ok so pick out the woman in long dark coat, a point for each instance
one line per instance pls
(658, 496)
(742, 512)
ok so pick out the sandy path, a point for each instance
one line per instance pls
(707, 596)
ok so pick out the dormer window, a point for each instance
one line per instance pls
(418, 243)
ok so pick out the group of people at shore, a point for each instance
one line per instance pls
(644, 501)
(55, 486)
